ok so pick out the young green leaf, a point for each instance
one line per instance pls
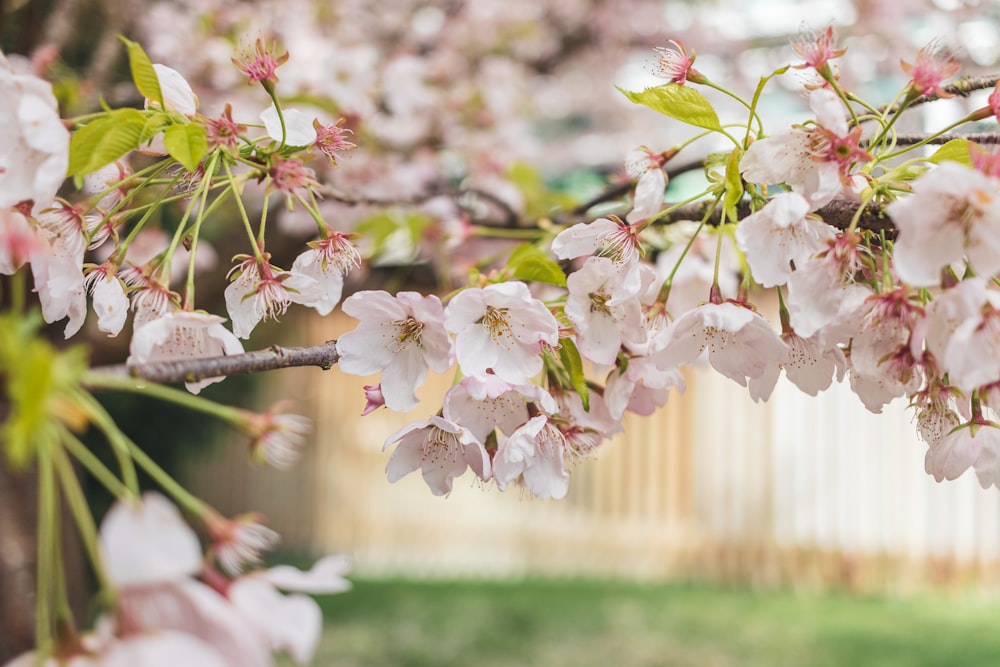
(187, 144)
(143, 73)
(734, 185)
(681, 102)
(528, 263)
(956, 150)
(573, 363)
(105, 140)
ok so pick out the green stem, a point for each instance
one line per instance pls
(115, 437)
(195, 232)
(926, 140)
(94, 466)
(668, 283)
(235, 416)
(277, 107)
(80, 509)
(750, 107)
(47, 525)
(183, 497)
(243, 215)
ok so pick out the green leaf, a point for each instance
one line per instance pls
(681, 102)
(539, 199)
(105, 140)
(734, 185)
(956, 150)
(143, 74)
(529, 263)
(573, 363)
(187, 144)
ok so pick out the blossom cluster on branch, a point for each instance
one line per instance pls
(554, 340)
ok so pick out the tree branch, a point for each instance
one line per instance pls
(838, 213)
(191, 370)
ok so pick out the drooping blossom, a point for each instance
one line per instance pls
(401, 336)
(953, 214)
(780, 237)
(821, 292)
(291, 623)
(183, 335)
(500, 328)
(484, 404)
(327, 261)
(739, 342)
(261, 291)
(647, 167)
(974, 444)
(373, 399)
(964, 334)
(811, 366)
(536, 455)
(602, 310)
(814, 161)
(110, 302)
(278, 437)
(34, 146)
(605, 237)
(240, 541)
(641, 388)
(440, 449)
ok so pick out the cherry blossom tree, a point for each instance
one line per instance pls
(561, 317)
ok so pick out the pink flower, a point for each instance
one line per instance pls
(278, 437)
(605, 237)
(110, 302)
(934, 64)
(535, 454)
(331, 140)
(223, 132)
(642, 388)
(373, 399)
(290, 623)
(740, 343)
(240, 541)
(815, 161)
(183, 335)
(327, 262)
(482, 405)
(810, 366)
(261, 291)
(402, 336)
(817, 50)
(647, 167)
(440, 449)
(973, 444)
(675, 65)
(260, 63)
(18, 241)
(781, 236)
(501, 328)
(953, 214)
(602, 311)
(34, 150)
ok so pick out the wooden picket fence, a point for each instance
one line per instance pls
(801, 491)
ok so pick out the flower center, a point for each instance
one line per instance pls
(599, 303)
(497, 323)
(408, 331)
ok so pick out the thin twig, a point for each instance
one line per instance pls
(191, 370)
(986, 138)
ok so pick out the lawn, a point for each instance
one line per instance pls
(590, 624)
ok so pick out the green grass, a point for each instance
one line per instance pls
(590, 624)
